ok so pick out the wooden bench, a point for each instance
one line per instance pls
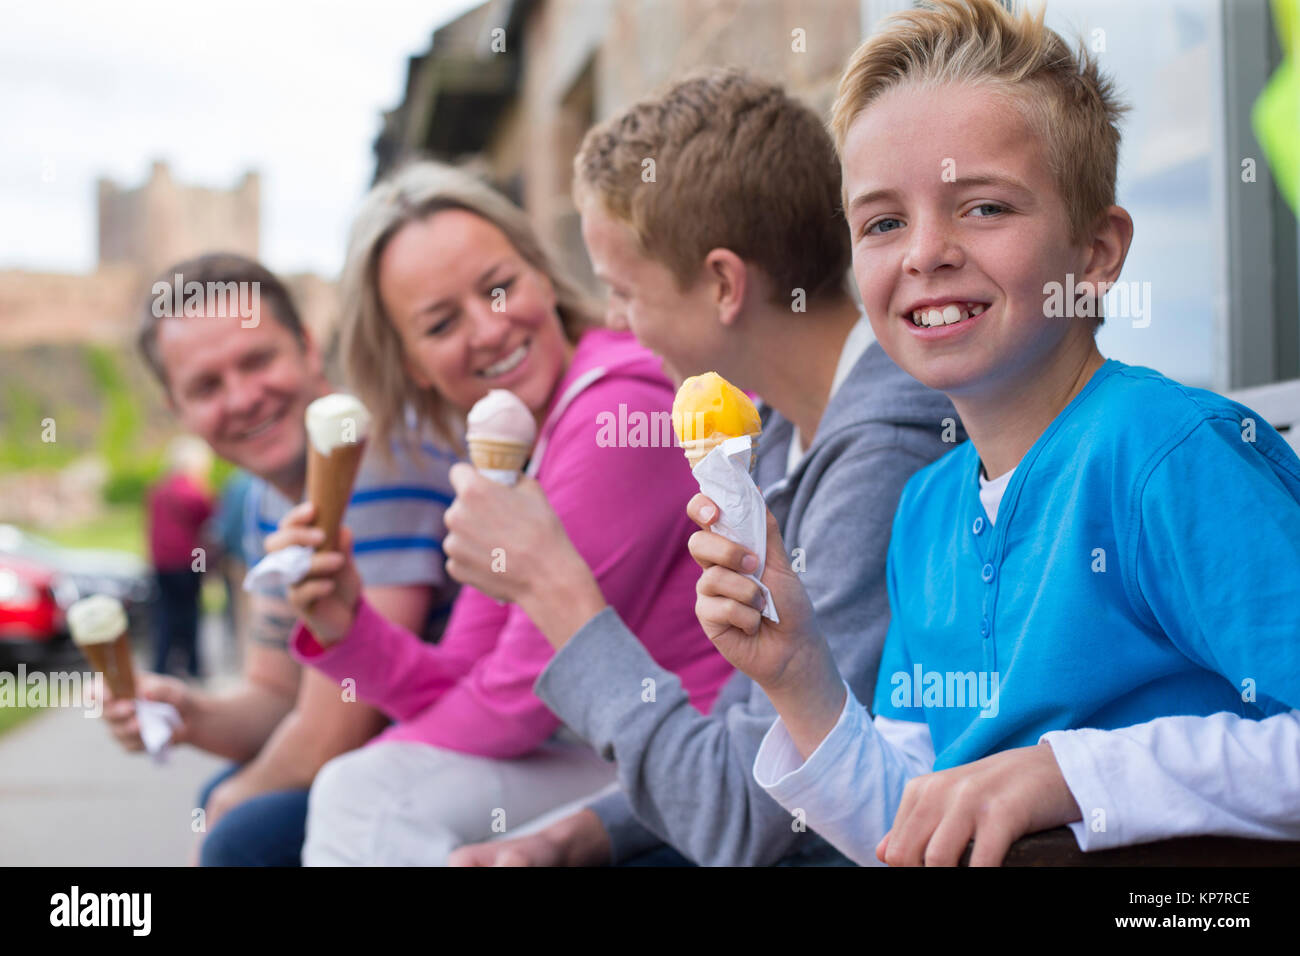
(1059, 848)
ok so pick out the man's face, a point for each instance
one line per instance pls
(955, 214)
(679, 327)
(242, 390)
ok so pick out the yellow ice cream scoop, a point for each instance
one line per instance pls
(707, 411)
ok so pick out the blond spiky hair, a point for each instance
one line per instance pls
(1064, 96)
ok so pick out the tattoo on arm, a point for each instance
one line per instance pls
(273, 623)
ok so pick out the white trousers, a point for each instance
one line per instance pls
(408, 804)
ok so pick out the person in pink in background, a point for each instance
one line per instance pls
(448, 296)
(178, 506)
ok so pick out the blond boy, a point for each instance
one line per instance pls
(1095, 601)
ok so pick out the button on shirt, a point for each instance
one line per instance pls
(1141, 565)
(1191, 457)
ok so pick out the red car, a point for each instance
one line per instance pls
(31, 621)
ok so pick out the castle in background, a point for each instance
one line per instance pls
(164, 221)
(141, 231)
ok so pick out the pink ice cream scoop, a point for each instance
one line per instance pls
(500, 431)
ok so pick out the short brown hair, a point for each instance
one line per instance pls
(219, 268)
(371, 347)
(738, 165)
(1064, 97)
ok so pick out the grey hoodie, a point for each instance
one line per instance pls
(687, 779)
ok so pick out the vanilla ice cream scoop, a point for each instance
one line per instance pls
(335, 420)
(99, 627)
(500, 415)
(98, 619)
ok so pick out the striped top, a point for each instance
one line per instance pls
(396, 518)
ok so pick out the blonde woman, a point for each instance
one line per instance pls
(448, 295)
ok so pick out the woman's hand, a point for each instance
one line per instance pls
(509, 543)
(789, 660)
(326, 599)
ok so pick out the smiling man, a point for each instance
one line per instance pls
(243, 384)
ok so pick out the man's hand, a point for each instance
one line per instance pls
(995, 801)
(577, 840)
(536, 849)
(125, 725)
(500, 540)
(510, 544)
(327, 597)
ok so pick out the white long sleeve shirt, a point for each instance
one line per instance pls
(1169, 777)
(1172, 776)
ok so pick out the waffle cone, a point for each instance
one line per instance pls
(113, 660)
(493, 455)
(329, 487)
(696, 448)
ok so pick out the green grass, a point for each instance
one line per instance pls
(11, 717)
(120, 528)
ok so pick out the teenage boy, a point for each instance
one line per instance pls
(1095, 601)
(740, 268)
(242, 383)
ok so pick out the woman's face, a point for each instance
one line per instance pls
(471, 313)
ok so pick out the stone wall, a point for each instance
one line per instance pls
(584, 60)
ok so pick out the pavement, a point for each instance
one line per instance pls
(70, 796)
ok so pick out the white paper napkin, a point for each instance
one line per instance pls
(158, 720)
(279, 570)
(502, 476)
(724, 477)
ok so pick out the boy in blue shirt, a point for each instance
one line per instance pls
(1096, 600)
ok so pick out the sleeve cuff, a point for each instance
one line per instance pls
(306, 649)
(784, 774)
(303, 643)
(1099, 828)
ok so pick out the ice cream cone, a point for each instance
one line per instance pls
(113, 660)
(500, 431)
(337, 426)
(99, 627)
(492, 455)
(329, 487)
(695, 449)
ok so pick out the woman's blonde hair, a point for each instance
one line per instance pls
(372, 350)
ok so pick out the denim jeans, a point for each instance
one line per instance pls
(267, 830)
(176, 620)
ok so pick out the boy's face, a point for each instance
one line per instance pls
(955, 214)
(677, 326)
